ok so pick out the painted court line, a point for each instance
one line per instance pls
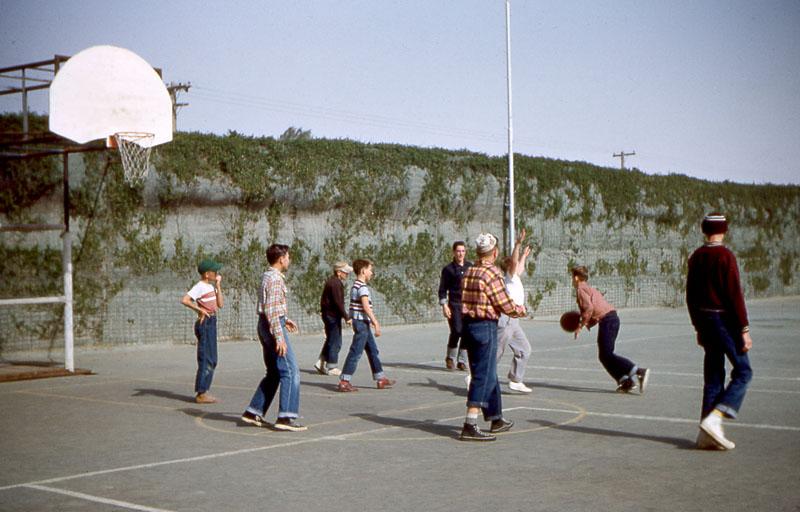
(666, 419)
(96, 499)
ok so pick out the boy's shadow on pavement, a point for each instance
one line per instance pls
(425, 425)
(456, 390)
(576, 389)
(413, 366)
(678, 442)
(164, 394)
(215, 416)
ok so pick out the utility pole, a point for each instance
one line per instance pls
(621, 155)
(173, 90)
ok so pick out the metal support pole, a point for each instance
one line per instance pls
(69, 359)
(24, 105)
(511, 228)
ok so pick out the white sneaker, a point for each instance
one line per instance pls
(519, 386)
(320, 367)
(335, 372)
(712, 425)
(468, 379)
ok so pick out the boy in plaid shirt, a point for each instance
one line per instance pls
(274, 327)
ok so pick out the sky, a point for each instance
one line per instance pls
(706, 88)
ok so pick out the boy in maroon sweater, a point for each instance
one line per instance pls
(716, 306)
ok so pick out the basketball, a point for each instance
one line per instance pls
(570, 321)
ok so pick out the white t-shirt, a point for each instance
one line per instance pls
(515, 289)
(205, 296)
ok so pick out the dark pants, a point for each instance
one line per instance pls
(206, 333)
(455, 342)
(333, 340)
(616, 366)
(719, 342)
(480, 338)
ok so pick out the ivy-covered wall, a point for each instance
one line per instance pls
(136, 248)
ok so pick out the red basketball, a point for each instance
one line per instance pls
(570, 321)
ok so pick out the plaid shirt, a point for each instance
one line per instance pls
(484, 295)
(272, 301)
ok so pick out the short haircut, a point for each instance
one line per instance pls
(458, 243)
(276, 252)
(505, 263)
(714, 224)
(582, 273)
(361, 264)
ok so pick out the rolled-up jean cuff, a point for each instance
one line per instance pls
(481, 405)
(493, 418)
(378, 376)
(727, 410)
(287, 415)
(345, 377)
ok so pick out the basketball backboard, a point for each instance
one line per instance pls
(105, 90)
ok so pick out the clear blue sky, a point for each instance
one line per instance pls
(708, 88)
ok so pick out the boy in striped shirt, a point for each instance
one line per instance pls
(362, 317)
(205, 298)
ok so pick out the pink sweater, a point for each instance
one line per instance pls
(592, 304)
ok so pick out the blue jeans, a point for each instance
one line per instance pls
(618, 367)
(206, 333)
(282, 372)
(363, 340)
(720, 341)
(480, 339)
(333, 340)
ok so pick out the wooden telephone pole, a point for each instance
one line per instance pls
(621, 155)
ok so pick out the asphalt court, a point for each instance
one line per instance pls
(130, 437)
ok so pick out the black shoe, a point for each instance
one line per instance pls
(626, 386)
(290, 424)
(501, 425)
(461, 366)
(474, 433)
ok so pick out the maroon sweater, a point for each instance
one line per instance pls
(713, 284)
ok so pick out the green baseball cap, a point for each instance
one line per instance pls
(208, 264)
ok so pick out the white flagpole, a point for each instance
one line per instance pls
(511, 228)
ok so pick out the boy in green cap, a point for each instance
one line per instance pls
(205, 298)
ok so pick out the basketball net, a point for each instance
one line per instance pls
(134, 149)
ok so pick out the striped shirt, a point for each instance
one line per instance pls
(205, 295)
(359, 289)
(272, 301)
(484, 295)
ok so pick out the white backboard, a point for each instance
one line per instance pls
(105, 90)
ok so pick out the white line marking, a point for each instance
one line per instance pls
(663, 419)
(96, 499)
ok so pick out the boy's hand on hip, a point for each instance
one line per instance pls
(748, 342)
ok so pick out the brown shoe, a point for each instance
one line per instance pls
(462, 367)
(449, 363)
(346, 387)
(205, 398)
(384, 383)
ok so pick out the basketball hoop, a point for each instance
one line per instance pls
(134, 149)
